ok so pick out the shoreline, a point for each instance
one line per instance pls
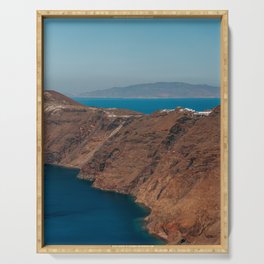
(165, 98)
(63, 166)
(131, 196)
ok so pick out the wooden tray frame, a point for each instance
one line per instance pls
(223, 15)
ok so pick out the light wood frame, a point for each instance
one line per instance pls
(223, 247)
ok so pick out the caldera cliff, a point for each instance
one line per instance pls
(169, 161)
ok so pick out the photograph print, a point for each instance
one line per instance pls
(131, 131)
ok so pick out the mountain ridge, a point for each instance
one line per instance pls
(157, 90)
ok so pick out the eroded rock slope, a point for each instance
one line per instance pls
(169, 161)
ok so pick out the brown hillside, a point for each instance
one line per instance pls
(169, 161)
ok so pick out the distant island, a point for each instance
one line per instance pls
(157, 90)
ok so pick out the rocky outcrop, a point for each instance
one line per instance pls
(73, 132)
(169, 161)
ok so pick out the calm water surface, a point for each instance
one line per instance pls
(148, 106)
(76, 213)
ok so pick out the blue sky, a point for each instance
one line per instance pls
(89, 54)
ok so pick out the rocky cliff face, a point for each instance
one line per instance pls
(73, 132)
(169, 161)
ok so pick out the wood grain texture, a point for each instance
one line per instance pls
(223, 247)
(40, 224)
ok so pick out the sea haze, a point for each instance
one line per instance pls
(86, 54)
(148, 106)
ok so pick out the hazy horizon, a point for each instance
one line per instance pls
(82, 55)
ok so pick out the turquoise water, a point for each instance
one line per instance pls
(148, 106)
(75, 213)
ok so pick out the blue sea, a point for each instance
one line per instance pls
(148, 106)
(77, 214)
